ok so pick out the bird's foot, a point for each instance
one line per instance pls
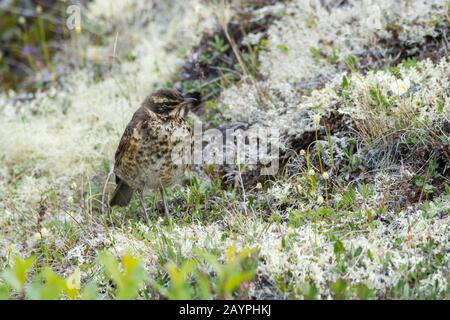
(163, 197)
(145, 215)
(141, 198)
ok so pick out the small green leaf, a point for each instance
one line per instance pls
(283, 48)
(369, 255)
(338, 247)
(345, 82)
(339, 289)
(358, 251)
(204, 288)
(364, 292)
(4, 292)
(283, 242)
(17, 276)
(351, 61)
(235, 280)
(111, 266)
(210, 104)
(130, 280)
(440, 107)
(89, 291)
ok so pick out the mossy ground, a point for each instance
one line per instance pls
(359, 209)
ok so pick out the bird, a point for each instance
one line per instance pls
(155, 148)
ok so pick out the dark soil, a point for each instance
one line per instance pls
(210, 69)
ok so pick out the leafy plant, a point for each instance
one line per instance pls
(16, 276)
(46, 285)
(179, 287)
(49, 286)
(219, 45)
(128, 275)
(191, 281)
(237, 269)
(128, 278)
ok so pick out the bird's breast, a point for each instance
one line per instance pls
(158, 153)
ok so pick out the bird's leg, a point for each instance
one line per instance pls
(141, 198)
(163, 196)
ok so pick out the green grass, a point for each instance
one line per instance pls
(204, 277)
(359, 209)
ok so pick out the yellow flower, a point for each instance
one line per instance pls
(38, 9)
(78, 29)
(259, 186)
(37, 236)
(302, 152)
(22, 20)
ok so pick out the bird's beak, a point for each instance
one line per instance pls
(189, 100)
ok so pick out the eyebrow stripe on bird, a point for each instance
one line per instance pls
(165, 101)
(157, 99)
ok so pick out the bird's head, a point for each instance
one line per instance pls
(168, 102)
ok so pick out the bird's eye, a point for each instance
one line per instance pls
(171, 103)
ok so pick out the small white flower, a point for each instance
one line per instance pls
(325, 175)
(302, 152)
(290, 231)
(400, 86)
(316, 119)
(143, 228)
(320, 200)
(44, 232)
(259, 186)
(311, 172)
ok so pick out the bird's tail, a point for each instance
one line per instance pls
(122, 195)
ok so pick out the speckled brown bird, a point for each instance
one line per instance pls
(155, 148)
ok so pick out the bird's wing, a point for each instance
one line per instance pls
(129, 143)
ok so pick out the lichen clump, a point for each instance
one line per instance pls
(360, 206)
